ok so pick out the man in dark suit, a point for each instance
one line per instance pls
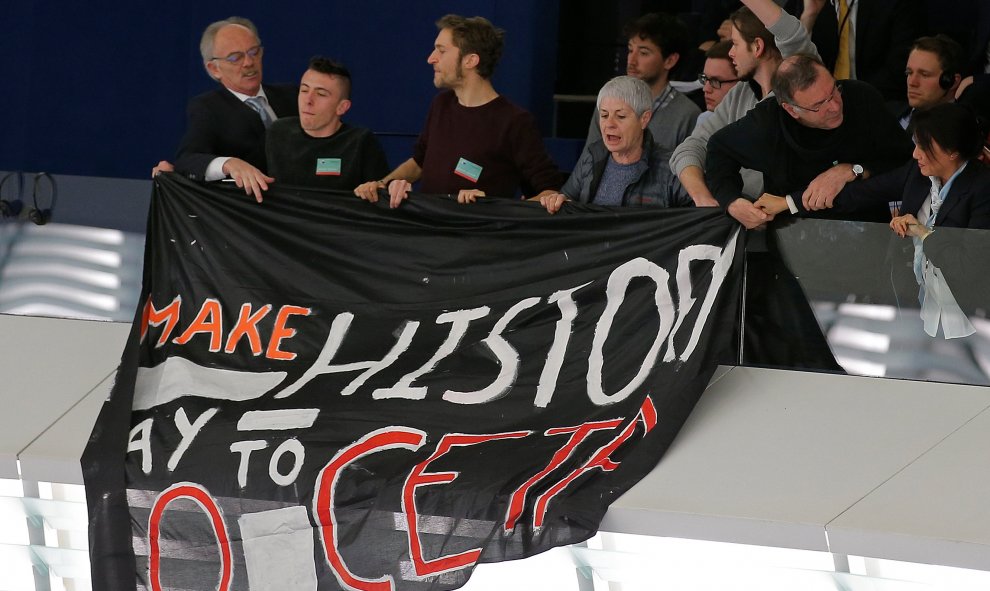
(882, 31)
(225, 136)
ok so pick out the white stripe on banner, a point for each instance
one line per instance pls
(282, 419)
(278, 549)
(177, 377)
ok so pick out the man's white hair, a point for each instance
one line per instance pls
(210, 36)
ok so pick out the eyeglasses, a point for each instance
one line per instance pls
(238, 56)
(836, 91)
(715, 82)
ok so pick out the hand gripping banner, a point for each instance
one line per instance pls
(322, 393)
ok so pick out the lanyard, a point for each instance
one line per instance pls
(663, 100)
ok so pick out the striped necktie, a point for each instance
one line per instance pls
(258, 104)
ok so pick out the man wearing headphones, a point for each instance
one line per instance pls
(932, 74)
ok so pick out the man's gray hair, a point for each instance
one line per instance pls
(210, 35)
(632, 91)
(795, 73)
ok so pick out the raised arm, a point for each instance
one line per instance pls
(766, 10)
(812, 8)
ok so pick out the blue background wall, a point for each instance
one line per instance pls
(100, 88)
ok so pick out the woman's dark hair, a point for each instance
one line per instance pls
(952, 126)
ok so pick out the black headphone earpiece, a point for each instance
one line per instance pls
(946, 80)
(12, 208)
(38, 215)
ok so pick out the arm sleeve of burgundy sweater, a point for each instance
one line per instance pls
(538, 170)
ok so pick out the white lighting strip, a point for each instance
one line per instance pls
(859, 339)
(872, 311)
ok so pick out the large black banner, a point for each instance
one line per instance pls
(321, 393)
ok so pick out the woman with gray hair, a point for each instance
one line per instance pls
(625, 167)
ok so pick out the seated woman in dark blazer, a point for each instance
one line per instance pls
(944, 185)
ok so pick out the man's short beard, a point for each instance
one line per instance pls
(651, 80)
(458, 77)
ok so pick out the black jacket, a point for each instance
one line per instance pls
(219, 124)
(967, 205)
(885, 31)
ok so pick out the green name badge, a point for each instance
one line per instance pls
(467, 169)
(328, 166)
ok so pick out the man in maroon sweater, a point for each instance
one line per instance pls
(475, 142)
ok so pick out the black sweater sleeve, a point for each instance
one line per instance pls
(739, 145)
